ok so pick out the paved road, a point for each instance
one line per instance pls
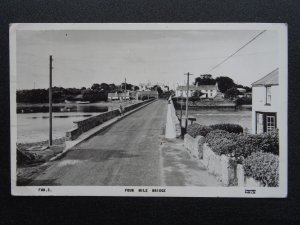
(127, 153)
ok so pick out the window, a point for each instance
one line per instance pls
(268, 95)
(270, 123)
(265, 122)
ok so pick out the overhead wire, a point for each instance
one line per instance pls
(227, 58)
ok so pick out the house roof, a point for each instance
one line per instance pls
(147, 92)
(198, 88)
(268, 80)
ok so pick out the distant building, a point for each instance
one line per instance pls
(265, 104)
(147, 94)
(118, 96)
(208, 91)
(145, 86)
(248, 95)
(242, 90)
(206, 76)
(148, 86)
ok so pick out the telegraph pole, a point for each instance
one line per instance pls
(50, 101)
(125, 90)
(187, 98)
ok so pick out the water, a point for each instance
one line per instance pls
(214, 116)
(33, 123)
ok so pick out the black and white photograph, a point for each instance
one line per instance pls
(154, 109)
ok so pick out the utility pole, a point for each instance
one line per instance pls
(50, 101)
(187, 98)
(125, 90)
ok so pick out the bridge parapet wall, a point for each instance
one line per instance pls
(175, 121)
(93, 121)
(173, 128)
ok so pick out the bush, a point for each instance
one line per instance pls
(222, 142)
(241, 146)
(231, 128)
(244, 101)
(263, 167)
(197, 129)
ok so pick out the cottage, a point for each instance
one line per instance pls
(265, 104)
(147, 94)
(208, 91)
(118, 96)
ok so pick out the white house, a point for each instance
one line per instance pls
(147, 94)
(265, 103)
(208, 91)
(118, 96)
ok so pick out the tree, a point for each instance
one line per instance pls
(104, 87)
(96, 87)
(136, 88)
(112, 88)
(196, 96)
(94, 96)
(232, 93)
(205, 81)
(128, 86)
(157, 88)
(225, 83)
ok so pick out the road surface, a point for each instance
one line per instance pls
(125, 154)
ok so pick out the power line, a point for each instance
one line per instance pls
(219, 64)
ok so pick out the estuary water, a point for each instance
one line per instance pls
(214, 116)
(33, 122)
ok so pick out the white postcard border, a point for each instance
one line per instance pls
(260, 192)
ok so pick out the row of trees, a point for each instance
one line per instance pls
(97, 92)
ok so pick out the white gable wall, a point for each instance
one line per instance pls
(259, 103)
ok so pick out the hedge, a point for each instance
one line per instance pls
(241, 146)
(197, 129)
(263, 167)
(231, 128)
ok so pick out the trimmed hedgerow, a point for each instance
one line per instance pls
(197, 129)
(263, 167)
(265, 142)
(222, 142)
(231, 128)
(241, 146)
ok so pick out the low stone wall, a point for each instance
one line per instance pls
(244, 181)
(91, 122)
(222, 166)
(194, 145)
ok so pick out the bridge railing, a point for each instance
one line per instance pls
(93, 121)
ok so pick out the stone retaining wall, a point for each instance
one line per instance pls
(246, 181)
(222, 166)
(225, 168)
(91, 122)
(194, 145)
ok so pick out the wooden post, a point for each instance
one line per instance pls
(50, 101)
(187, 99)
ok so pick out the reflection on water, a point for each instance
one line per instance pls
(213, 116)
(33, 121)
(34, 127)
(65, 108)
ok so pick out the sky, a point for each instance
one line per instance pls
(84, 57)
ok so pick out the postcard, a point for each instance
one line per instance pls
(152, 109)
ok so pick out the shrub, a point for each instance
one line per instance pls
(197, 129)
(263, 167)
(241, 146)
(231, 128)
(222, 142)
